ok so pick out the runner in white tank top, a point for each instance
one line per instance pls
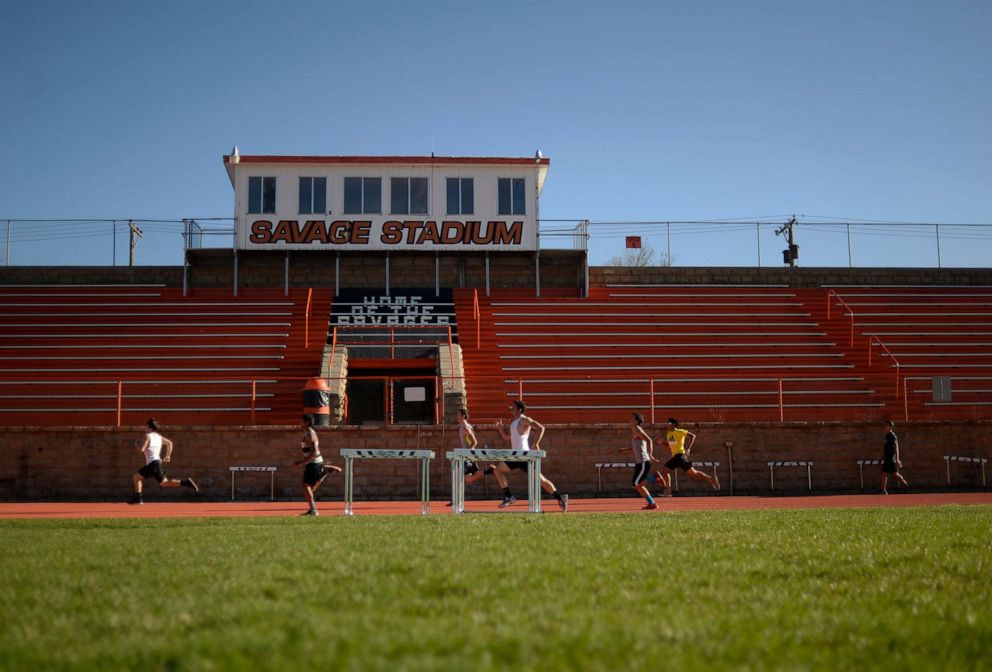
(151, 448)
(519, 438)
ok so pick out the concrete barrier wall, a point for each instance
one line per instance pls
(42, 463)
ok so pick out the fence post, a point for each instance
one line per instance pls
(306, 330)
(651, 388)
(781, 407)
(905, 400)
(253, 401)
(120, 400)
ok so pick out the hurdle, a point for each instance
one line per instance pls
(980, 461)
(791, 463)
(272, 478)
(351, 454)
(630, 465)
(460, 456)
(861, 469)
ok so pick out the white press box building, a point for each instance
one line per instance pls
(402, 203)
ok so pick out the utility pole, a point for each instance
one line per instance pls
(135, 233)
(790, 255)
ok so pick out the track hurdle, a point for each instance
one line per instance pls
(272, 478)
(791, 463)
(351, 454)
(980, 461)
(460, 456)
(861, 469)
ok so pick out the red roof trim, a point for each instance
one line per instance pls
(476, 160)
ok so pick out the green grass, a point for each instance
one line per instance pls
(826, 590)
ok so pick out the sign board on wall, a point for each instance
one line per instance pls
(385, 234)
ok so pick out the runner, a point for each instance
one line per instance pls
(518, 436)
(467, 438)
(643, 448)
(152, 446)
(675, 438)
(890, 458)
(314, 471)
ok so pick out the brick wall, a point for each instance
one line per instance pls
(793, 277)
(43, 463)
(558, 268)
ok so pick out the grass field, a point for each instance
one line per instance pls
(847, 589)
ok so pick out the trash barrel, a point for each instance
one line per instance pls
(317, 401)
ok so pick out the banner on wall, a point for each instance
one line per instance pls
(387, 234)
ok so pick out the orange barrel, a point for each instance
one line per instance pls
(317, 400)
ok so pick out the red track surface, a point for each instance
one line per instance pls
(165, 509)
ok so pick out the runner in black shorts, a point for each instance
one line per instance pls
(890, 458)
(151, 446)
(675, 438)
(314, 469)
(518, 434)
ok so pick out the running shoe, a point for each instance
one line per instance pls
(507, 501)
(563, 503)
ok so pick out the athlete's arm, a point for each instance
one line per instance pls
(540, 432)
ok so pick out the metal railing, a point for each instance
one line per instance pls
(273, 400)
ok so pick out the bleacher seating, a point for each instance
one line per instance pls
(703, 353)
(930, 331)
(71, 354)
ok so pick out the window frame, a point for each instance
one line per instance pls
(313, 209)
(512, 184)
(406, 208)
(460, 193)
(266, 195)
(363, 208)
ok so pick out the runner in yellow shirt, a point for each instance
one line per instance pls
(675, 437)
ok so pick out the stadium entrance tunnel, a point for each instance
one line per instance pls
(392, 396)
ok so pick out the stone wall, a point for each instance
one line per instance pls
(42, 463)
(794, 277)
(558, 269)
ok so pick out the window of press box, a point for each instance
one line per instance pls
(261, 195)
(313, 195)
(408, 196)
(362, 195)
(511, 196)
(461, 196)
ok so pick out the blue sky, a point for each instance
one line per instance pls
(649, 111)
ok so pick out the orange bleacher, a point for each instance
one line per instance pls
(918, 333)
(702, 353)
(97, 355)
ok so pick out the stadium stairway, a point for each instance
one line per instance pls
(68, 353)
(703, 353)
(917, 334)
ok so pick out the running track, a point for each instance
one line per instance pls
(166, 509)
